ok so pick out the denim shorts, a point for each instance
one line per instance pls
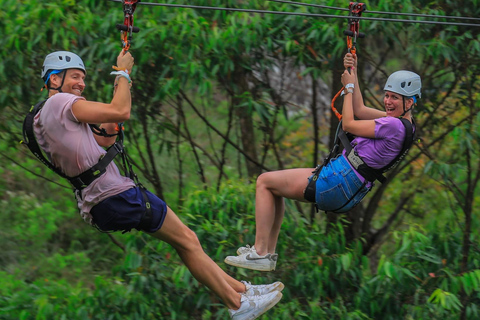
(123, 212)
(338, 188)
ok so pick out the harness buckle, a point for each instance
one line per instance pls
(78, 183)
(355, 159)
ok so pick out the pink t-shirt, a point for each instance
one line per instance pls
(71, 146)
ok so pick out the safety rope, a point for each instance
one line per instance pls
(317, 15)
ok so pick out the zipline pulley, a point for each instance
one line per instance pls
(127, 27)
(355, 11)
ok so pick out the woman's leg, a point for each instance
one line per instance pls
(186, 243)
(271, 188)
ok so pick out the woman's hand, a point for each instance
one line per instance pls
(350, 61)
(348, 77)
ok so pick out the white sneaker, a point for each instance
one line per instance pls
(262, 289)
(252, 307)
(251, 260)
(245, 249)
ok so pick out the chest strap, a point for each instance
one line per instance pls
(369, 173)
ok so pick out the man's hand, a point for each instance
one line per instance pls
(125, 61)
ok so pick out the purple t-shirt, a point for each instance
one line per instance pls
(71, 146)
(388, 142)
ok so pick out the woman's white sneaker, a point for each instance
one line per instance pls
(251, 260)
(245, 249)
(251, 307)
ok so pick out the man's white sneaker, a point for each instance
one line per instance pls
(252, 307)
(251, 260)
(262, 289)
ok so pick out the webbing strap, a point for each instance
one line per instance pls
(369, 173)
(357, 162)
(146, 221)
(85, 178)
(31, 142)
(80, 181)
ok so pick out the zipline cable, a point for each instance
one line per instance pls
(374, 12)
(317, 15)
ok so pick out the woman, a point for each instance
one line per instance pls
(379, 137)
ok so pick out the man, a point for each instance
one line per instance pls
(113, 202)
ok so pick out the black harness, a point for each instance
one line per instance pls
(85, 178)
(370, 174)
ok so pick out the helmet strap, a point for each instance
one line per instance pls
(59, 89)
(405, 111)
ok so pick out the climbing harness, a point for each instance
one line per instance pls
(368, 173)
(84, 179)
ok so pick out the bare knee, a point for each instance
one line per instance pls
(188, 240)
(264, 180)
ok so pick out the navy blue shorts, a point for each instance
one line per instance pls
(123, 212)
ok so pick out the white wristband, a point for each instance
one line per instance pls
(122, 74)
(349, 85)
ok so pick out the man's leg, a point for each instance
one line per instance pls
(186, 243)
(271, 188)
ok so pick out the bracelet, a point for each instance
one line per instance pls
(349, 85)
(119, 69)
(122, 73)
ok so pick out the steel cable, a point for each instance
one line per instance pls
(374, 12)
(317, 15)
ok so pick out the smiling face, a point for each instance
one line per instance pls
(393, 103)
(74, 82)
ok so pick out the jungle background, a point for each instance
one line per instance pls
(218, 98)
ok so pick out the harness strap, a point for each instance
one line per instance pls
(31, 142)
(87, 177)
(82, 180)
(147, 218)
(369, 173)
(310, 190)
(357, 162)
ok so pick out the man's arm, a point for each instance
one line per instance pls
(118, 110)
(106, 141)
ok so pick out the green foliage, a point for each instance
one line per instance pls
(325, 277)
(53, 266)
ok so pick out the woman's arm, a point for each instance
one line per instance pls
(360, 110)
(362, 128)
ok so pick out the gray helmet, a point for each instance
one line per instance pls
(406, 83)
(62, 60)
